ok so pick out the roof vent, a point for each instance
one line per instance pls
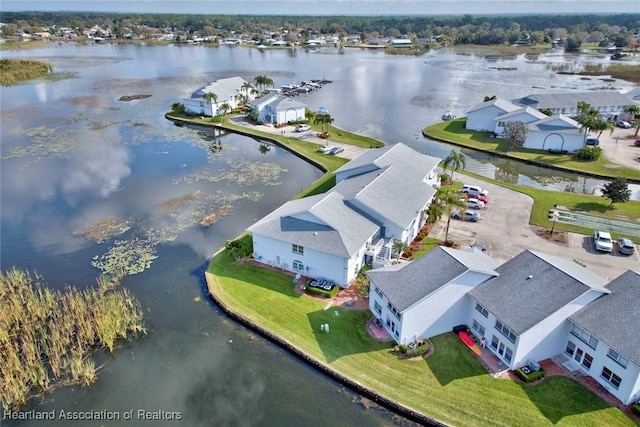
(529, 277)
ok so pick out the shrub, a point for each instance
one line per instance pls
(408, 253)
(445, 177)
(420, 350)
(588, 153)
(531, 376)
(403, 348)
(322, 292)
(636, 408)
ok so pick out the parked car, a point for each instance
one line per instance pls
(626, 246)
(475, 203)
(624, 124)
(592, 141)
(325, 149)
(302, 128)
(467, 188)
(478, 196)
(468, 215)
(336, 150)
(602, 241)
(637, 143)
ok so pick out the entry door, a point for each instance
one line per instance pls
(501, 348)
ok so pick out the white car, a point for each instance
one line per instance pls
(475, 203)
(602, 241)
(302, 128)
(468, 188)
(325, 149)
(624, 124)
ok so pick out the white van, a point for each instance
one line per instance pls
(467, 188)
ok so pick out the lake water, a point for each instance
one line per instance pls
(72, 154)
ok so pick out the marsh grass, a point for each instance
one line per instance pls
(47, 336)
(13, 71)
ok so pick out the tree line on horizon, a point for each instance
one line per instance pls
(618, 29)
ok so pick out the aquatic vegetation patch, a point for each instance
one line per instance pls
(241, 171)
(47, 336)
(104, 229)
(126, 257)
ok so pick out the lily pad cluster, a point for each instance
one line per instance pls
(104, 229)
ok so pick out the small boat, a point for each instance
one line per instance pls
(448, 116)
(469, 342)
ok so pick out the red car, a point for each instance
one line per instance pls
(478, 196)
(637, 143)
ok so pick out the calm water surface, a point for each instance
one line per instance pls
(73, 154)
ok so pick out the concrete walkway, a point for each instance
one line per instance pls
(504, 229)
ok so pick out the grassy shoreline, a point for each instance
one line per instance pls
(450, 386)
(453, 132)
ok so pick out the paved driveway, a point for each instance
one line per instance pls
(505, 230)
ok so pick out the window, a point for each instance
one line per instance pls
(585, 336)
(618, 358)
(478, 327)
(393, 310)
(298, 266)
(504, 330)
(494, 342)
(571, 348)
(508, 354)
(611, 378)
(587, 361)
(482, 310)
(377, 307)
(297, 249)
(378, 291)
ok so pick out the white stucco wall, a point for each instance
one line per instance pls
(290, 114)
(484, 119)
(554, 141)
(320, 264)
(197, 106)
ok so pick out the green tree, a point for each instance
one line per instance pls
(449, 200)
(263, 82)
(573, 43)
(399, 247)
(177, 107)
(489, 98)
(246, 86)
(324, 120)
(212, 99)
(635, 111)
(456, 160)
(434, 212)
(515, 134)
(617, 190)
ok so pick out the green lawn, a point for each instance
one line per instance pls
(453, 131)
(450, 386)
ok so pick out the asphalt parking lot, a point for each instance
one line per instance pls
(504, 229)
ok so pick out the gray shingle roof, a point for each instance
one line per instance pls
(392, 185)
(534, 114)
(223, 88)
(571, 99)
(559, 124)
(521, 302)
(615, 319)
(321, 222)
(282, 102)
(406, 284)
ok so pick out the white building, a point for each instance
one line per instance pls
(558, 133)
(428, 296)
(380, 197)
(231, 91)
(275, 108)
(482, 116)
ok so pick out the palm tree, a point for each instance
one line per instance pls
(399, 246)
(263, 82)
(225, 109)
(211, 98)
(449, 200)
(457, 161)
(247, 87)
(325, 120)
(434, 212)
(635, 110)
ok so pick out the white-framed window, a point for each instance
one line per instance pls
(482, 310)
(393, 310)
(610, 377)
(377, 307)
(298, 266)
(584, 336)
(378, 291)
(620, 360)
(504, 330)
(571, 348)
(478, 327)
(297, 249)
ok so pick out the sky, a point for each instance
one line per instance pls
(331, 7)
